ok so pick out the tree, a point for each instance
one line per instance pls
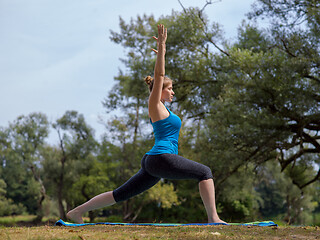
(7, 207)
(281, 198)
(268, 107)
(21, 144)
(91, 181)
(270, 102)
(76, 144)
(130, 92)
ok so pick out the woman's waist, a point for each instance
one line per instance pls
(166, 141)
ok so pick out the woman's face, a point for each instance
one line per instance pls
(167, 93)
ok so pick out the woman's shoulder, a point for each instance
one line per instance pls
(158, 112)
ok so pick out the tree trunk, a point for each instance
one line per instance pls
(125, 210)
(61, 208)
(40, 214)
(137, 213)
(136, 124)
(62, 212)
(42, 195)
(91, 216)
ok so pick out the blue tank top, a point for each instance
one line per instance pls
(166, 133)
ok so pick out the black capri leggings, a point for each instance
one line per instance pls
(155, 167)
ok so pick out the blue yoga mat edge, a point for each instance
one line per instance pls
(262, 224)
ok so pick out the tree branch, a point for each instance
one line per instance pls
(302, 151)
(311, 140)
(317, 177)
(207, 3)
(286, 48)
(204, 31)
(235, 169)
(312, 77)
(185, 11)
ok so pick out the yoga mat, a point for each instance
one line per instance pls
(261, 224)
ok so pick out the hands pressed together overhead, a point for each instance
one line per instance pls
(162, 37)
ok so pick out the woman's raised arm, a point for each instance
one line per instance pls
(159, 69)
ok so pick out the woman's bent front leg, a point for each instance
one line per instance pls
(207, 193)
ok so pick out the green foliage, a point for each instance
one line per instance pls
(271, 95)
(282, 198)
(7, 207)
(164, 195)
(21, 144)
(71, 159)
(91, 182)
(130, 91)
(238, 201)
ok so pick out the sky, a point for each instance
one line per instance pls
(57, 55)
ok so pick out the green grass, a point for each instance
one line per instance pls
(15, 227)
(11, 220)
(138, 232)
(24, 220)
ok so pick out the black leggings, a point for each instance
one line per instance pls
(155, 167)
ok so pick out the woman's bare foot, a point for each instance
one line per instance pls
(218, 220)
(75, 216)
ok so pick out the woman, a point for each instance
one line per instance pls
(162, 160)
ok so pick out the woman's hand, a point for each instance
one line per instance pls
(162, 37)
